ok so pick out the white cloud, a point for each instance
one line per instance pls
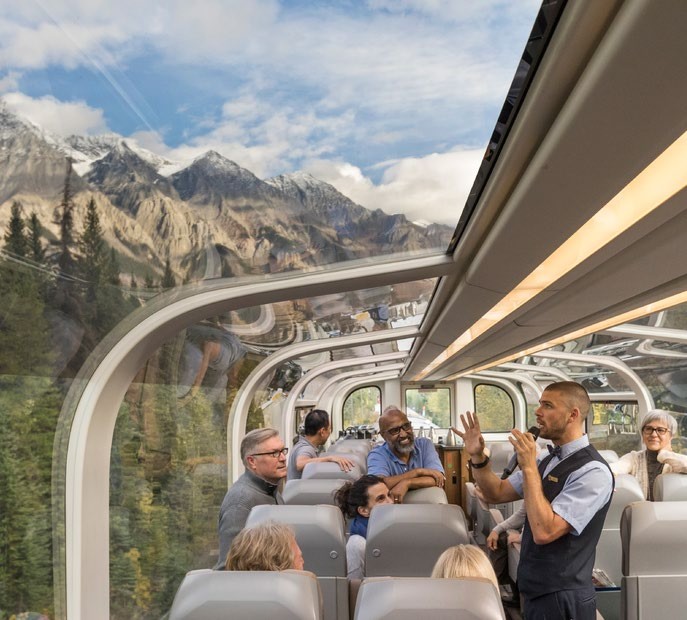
(9, 82)
(62, 118)
(429, 189)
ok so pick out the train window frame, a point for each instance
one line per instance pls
(379, 408)
(477, 411)
(429, 387)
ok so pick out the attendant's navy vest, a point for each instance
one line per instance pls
(565, 563)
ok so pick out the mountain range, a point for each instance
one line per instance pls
(212, 218)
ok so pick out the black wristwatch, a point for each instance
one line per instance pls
(479, 465)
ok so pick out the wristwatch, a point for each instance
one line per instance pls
(479, 465)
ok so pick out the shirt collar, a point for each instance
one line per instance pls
(261, 483)
(573, 446)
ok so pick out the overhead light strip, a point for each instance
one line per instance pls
(653, 186)
(631, 315)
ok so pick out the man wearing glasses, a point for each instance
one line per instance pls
(402, 461)
(658, 429)
(264, 456)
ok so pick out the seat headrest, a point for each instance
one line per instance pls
(311, 492)
(208, 594)
(331, 471)
(320, 533)
(408, 598)
(670, 488)
(654, 538)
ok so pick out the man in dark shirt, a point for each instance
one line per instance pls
(264, 456)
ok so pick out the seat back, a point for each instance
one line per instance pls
(331, 471)
(409, 598)
(500, 453)
(311, 492)
(319, 531)
(654, 538)
(251, 595)
(428, 495)
(670, 488)
(406, 540)
(359, 446)
(610, 456)
(321, 536)
(609, 547)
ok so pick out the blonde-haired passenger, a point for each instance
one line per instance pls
(464, 561)
(266, 546)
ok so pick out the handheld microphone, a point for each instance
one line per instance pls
(513, 463)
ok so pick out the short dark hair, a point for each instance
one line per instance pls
(353, 495)
(575, 394)
(314, 421)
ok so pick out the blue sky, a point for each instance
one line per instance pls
(391, 101)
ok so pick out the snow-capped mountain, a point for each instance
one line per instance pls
(212, 217)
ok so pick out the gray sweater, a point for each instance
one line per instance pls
(246, 492)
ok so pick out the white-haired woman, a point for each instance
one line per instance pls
(658, 429)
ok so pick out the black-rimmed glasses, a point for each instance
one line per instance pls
(659, 430)
(273, 453)
(407, 427)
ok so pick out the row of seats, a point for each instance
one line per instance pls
(654, 576)
(294, 595)
(403, 541)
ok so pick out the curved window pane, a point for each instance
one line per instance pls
(428, 407)
(495, 408)
(362, 407)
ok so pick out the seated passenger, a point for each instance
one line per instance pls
(356, 500)
(266, 546)
(264, 457)
(308, 448)
(658, 428)
(404, 462)
(464, 561)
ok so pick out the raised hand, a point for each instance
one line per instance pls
(472, 435)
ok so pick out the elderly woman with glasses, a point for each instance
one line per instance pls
(658, 429)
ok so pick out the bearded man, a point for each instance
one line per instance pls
(402, 461)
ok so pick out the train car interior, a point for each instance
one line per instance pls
(149, 319)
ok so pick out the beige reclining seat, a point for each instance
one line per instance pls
(410, 598)
(670, 488)
(358, 446)
(654, 538)
(251, 595)
(332, 471)
(321, 536)
(428, 495)
(609, 548)
(311, 491)
(406, 540)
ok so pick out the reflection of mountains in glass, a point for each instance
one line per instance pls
(211, 218)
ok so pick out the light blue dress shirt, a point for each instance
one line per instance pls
(585, 491)
(381, 461)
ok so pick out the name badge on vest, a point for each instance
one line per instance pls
(551, 478)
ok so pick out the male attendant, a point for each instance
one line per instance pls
(567, 494)
(403, 461)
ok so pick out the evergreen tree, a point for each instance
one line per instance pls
(133, 284)
(65, 219)
(168, 280)
(149, 282)
(92, 249)
(15, 237)
(36, 249)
